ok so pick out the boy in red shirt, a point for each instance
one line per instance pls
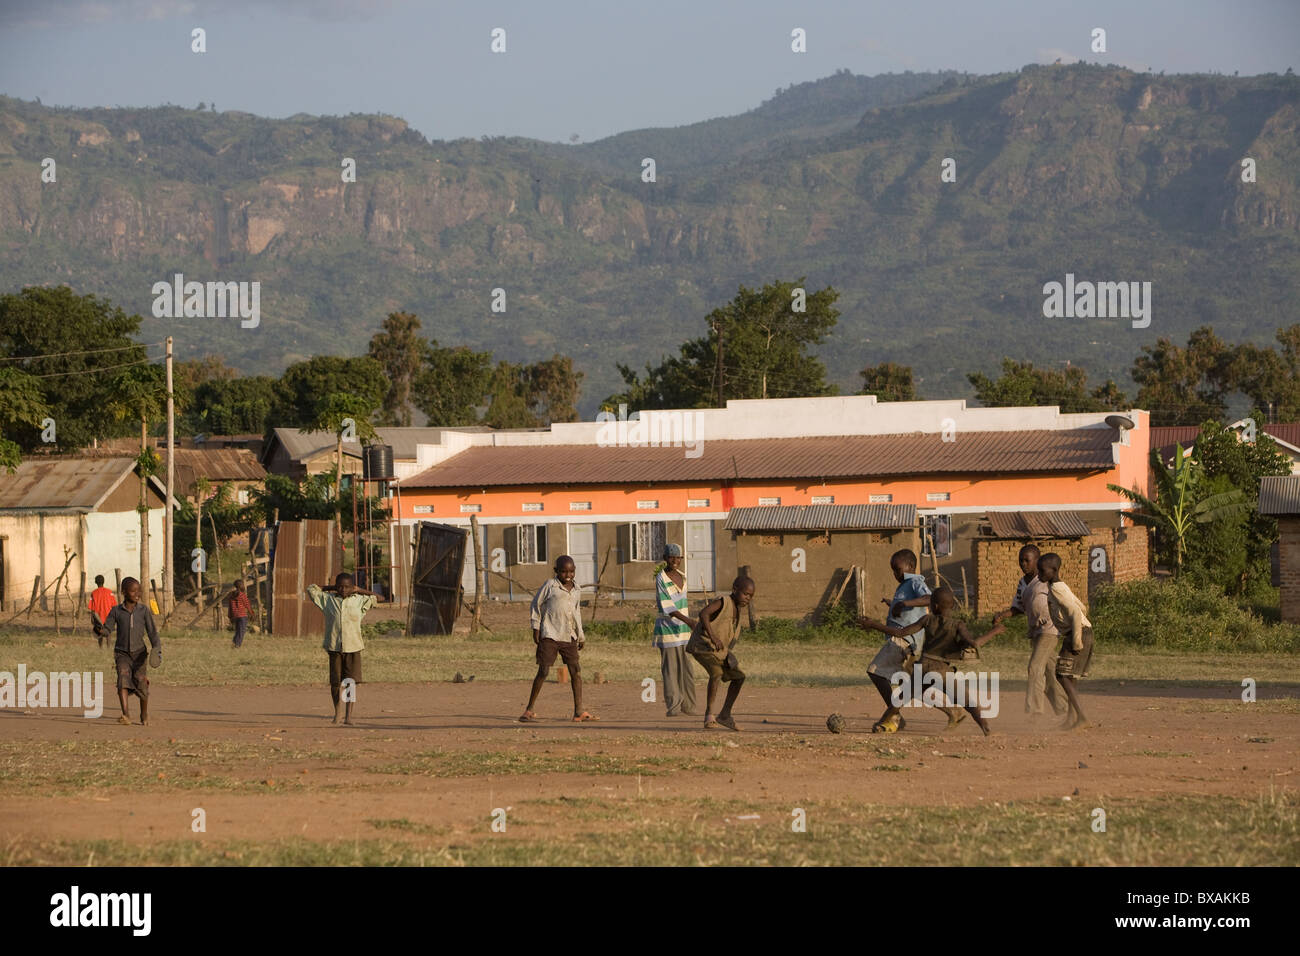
(239, 610)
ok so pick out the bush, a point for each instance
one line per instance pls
(1175, 614)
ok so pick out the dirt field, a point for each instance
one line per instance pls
(1185, 774)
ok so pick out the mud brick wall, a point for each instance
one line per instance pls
(997, 569)
(1289, 560)
(1128, 555)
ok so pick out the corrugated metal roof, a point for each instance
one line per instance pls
(1019, 452)
(62, 484)
(821, 518)
(303, 445)
(1279, 495)
(1038, 524)
(215, 464)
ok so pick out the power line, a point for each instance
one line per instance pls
(120, 348)
(103, 368)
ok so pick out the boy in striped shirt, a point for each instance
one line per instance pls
(239, 611)
(672, 632)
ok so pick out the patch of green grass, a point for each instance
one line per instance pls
(1168, 831)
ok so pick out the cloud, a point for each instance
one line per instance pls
(57, 13)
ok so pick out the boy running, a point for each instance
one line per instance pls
(897, 653)
(101, 602)
(133, 621)
(1071, 620)
(343, 610)
(712, 641)
(673, 629)
(237, 601)
(945, 645)
(557, 630)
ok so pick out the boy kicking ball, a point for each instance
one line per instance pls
(712, 641)
(946, 641)
(897, 654)
(557, 631)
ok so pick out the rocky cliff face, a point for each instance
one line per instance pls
(1061, 167)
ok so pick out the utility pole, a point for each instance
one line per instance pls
(718, 372)
(169, 590)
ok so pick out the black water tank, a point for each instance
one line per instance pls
(379, 463)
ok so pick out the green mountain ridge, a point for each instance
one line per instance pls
(1097, 171)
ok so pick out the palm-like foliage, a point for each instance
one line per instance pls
(1180, 503)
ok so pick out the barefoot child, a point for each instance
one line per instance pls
(1043, 690)
(343, 609)
(101, 602)
(673, 629)
(133, 621)
(557, 630)
(945, 645)
(712, 642)
(1071, 620)
(896, 654)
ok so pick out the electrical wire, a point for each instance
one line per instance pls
(120, 348)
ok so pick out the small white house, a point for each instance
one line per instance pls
(87, 505)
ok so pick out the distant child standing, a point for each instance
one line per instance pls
(894, 657)
(239, 611)
(101, 602)
(343, 609)
(713, 643)
(557, 631)
(672, 632)
(133, 621)
(1071, 620)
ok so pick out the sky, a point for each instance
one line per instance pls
(589, 69)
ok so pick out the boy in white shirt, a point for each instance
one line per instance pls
(1070, 618)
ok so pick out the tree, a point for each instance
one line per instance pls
(1184, 386)
(21, 405)
(1229, 462)
(453, 385)
(1182, 502)
(553, 389)
(1022, 384)
(889, 382)
(84, 340)
(304, 385)
(402, 352)
(1271, 378)
(756, 347)
(230, 406)
(337, 412)
(140, 394)
(509, 405)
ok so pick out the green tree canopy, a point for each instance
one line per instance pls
(764, 339)
(1022, 384)
(1184, 386)
(402, 352)
(453, 385)
(230, 406)
(305, 385)
(77, 376)
(889, 382)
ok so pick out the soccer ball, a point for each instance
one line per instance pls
(835, 724)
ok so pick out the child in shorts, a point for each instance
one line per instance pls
(557, 631)
(897, 653)
(343, 609)
(712, 644)
(948, 643)
(1070, 618)
(133, 622)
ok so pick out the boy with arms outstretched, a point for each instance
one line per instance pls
(344, 605)
(712, 641)
(946, 641)
(557, 630)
